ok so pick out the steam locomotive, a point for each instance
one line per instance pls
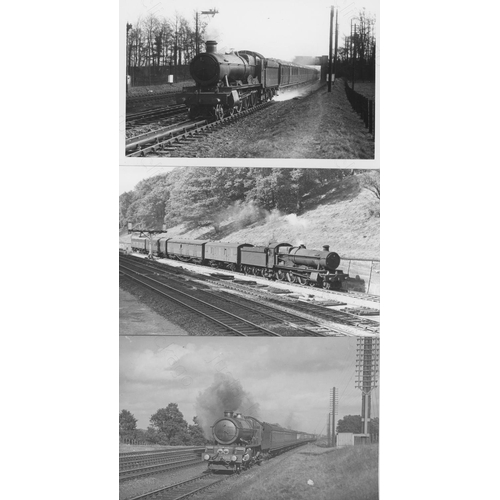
(242, 441)
(229, 83)
(277, 261)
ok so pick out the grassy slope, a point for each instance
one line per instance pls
(341, 218)
(344, 474)
(322, 125)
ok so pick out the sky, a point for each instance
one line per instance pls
(279, 29)
(289, 379)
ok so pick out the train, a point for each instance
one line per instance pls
(276, 261)
(227, 83)
(242, 441)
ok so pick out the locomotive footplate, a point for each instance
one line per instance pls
(228, 96)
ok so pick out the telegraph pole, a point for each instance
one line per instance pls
(210, 12)
(336, 41)
(197, 35)
(328, 432)
(127, 56)
(334, 403)
(353, 50)
(330, 52)
(367, 368)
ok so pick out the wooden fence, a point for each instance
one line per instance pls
(147, 75)
(363, 106)
(367, 269)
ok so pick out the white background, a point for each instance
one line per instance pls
(439, 124)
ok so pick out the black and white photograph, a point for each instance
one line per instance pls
(231, 82)
(249, 251)
(226, 419)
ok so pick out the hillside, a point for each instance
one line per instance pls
(342, 214)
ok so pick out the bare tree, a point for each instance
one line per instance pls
(371, 181)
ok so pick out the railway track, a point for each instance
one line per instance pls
(304, 318)
(147, 98)
(227, 322)
(138, 461)
(302, 326)
(126, 454)
(172, 138)
(344, 322)
(144, 117)
(127, 474)
(184, 489)
(335, 294)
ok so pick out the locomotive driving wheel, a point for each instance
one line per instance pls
(219, 112)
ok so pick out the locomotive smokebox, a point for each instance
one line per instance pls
(211, 47)
(230, 430)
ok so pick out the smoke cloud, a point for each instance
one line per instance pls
(295, 222)
(225, 393)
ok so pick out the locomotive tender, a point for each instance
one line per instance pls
(277, 261)
(242, 441)
(229, 83)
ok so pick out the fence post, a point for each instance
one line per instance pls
(370, 278)
(374, 111)
(370, 116)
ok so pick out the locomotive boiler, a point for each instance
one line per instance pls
(210, 68)
(311, 258)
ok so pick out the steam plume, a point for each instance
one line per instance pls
(225, 393)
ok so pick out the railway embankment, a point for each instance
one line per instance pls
(348, 472)
(318, 125)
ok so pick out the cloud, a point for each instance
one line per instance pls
(277, 380)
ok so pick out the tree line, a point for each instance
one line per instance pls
(168, 427)
(205, 196)
(354, 424)
(157, 41)
(357, 56)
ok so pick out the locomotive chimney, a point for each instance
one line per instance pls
(228, 413)
(326, 248)
(211, 46)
